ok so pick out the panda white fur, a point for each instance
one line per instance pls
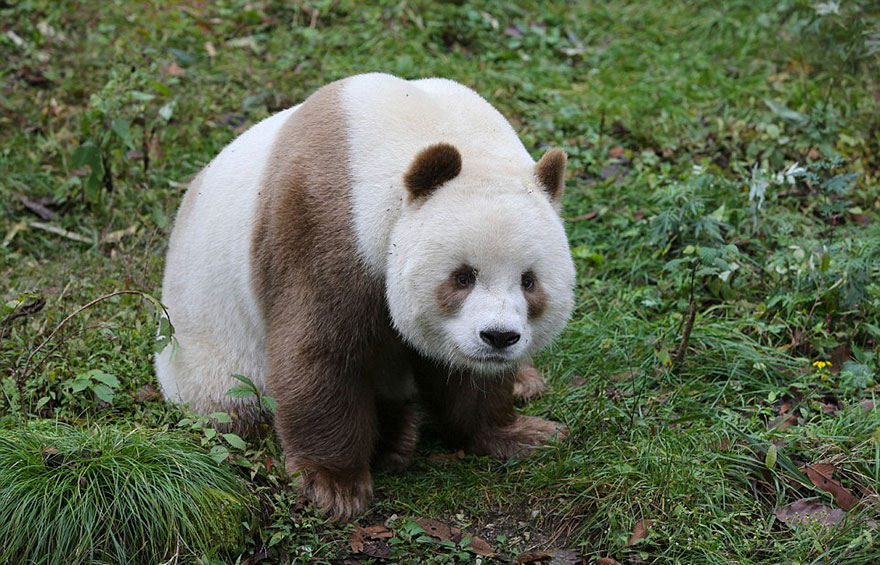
(383, 239)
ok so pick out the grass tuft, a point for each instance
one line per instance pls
(108, 495)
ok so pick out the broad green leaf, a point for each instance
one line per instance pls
(220, 417)
(770, 459)
(219, 453)
(269, 403)
(80, 385)
(235, 441)
(241, 391)
(103, 392)
(106, 378)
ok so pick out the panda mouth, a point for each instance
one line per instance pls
(491, 359)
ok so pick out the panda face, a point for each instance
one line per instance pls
(480, 277)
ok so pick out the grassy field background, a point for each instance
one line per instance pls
(719, 374)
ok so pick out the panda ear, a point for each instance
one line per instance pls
(432, 167)
(550, 172)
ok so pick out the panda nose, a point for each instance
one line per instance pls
(498, 339)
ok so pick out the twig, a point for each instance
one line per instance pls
(686, 336)
(61, 231)
(691, 314)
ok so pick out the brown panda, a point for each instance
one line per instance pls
(383, 240)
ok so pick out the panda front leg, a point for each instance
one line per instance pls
(326, 421)
(477, 411)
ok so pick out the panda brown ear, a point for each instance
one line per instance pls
(550, 172)
(432, 167)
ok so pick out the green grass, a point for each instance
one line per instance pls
(110, 496)
(670, 113)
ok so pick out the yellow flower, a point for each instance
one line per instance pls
(821, 364)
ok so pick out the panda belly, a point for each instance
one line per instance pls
(208, 284)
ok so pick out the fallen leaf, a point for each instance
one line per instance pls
(435, 529)
(377, 531)
(606, 561)
(809, 511)
(587, 216)
(147, 392)
(820, 475)
(578, 380)
(785, 419)
(557, 557)
(867, 404)
(356, 541)
(480, 547)
(640, 531)
(616, 152)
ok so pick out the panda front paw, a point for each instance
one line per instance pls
(528, 384)
(340, 495)
(514, 440)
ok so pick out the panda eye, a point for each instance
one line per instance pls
(465, 278)
(528, 281)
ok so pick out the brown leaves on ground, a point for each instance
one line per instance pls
(786, 416)
(606, 561)
(445, 532)
(640, 531)
(147, 393)
(809, 512)
(820, 474)
(370, 541)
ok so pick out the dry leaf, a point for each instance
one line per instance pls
(435, 529)
(587, 216)
(867, 404)
(606, 561)
(356, 541)
(640, 531)
(147, 392)
(820, 475)
(480, 547)
(809, 511)
(377, 531)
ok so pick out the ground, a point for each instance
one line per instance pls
(719, 374)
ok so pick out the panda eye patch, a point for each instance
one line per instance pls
(528, 281)
(464, 277)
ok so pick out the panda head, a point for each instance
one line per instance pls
(480, 274)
